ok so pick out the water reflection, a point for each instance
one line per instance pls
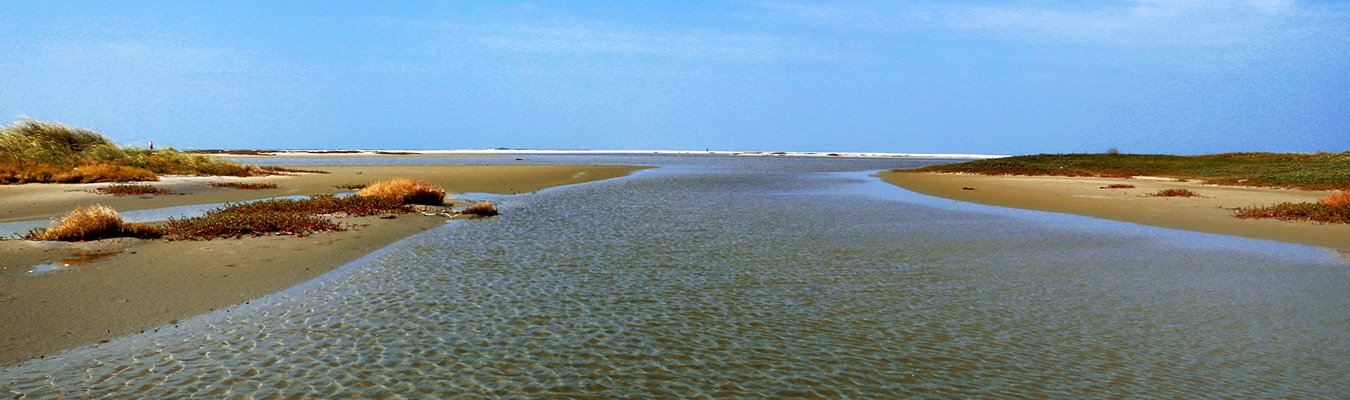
(75, 260)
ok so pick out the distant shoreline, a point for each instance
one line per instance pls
(499, 152)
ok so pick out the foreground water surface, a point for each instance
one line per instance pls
(759, 277)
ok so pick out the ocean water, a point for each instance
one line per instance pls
(759, 277)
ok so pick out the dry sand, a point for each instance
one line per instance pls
(1210, 213)
(122, 286)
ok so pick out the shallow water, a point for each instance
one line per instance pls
(761, 278)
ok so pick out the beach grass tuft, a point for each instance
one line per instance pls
(351, 186)
(92, 223)
(1315, 171)
(1173, 193)
(484, 209)
(405, 190)
(1118, 186)
(132, 190)
(244, 186)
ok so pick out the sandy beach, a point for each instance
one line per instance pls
(1211, 213)
(122, 286)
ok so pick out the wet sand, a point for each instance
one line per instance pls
(1211, 213)
(123, 286)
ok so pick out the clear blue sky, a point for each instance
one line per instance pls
(1007, 77)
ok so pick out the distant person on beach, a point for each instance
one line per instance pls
(152, 145)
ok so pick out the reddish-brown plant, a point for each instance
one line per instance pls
(132, 190)
(244, 186)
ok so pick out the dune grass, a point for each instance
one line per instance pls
(1318, 171)
(92, 223)
(244, 186)
(50, 152)
(405, 190)
(132, 190)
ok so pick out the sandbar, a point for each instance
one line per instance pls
(1212, 212)
(117, 287)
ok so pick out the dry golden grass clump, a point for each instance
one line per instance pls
(405, 190)
(1342, 199)
(92, 223)
(484, 209)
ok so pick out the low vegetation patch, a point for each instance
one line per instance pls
(404, 190)
(36, 151)
(351, 186)
(484, 209)
(132, 190)
(1173, 193)
(1318, 171)
(1118, 186)
(276, 216)
(1329, 210)
(280, 216)
(244, 186)
(273, 170)
(1305, 212)
(92, 223)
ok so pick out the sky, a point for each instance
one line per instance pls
(985, 77)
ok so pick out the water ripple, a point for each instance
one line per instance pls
(753, 283)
